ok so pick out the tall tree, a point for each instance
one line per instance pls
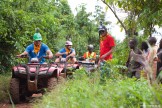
(86, 29)
(141, 14)
(18, 20)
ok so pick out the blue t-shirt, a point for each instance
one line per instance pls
(42, 52)
(63, 50)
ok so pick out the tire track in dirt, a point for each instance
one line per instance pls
(21, 105)
(26, 104)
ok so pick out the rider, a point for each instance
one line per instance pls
(67, 53)
(37, 49)
(90, 54)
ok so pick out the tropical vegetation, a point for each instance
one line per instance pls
(57, 23)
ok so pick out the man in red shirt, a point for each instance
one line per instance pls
(107, 44)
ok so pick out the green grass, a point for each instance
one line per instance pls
(4, 86)
(87, 92)
(84, 91)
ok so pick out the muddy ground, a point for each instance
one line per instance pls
(23, 104)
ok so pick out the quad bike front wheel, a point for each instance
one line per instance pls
(14, 90)
(52, 83)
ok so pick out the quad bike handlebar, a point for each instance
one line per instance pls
(63, 60)
(86, 63)
(84, 59)
(21, 56)
(26, 56)
(33, 60)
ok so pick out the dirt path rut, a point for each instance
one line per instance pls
(26, 104)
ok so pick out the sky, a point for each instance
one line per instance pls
(114, 29)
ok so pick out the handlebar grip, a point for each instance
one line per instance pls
(22, 56)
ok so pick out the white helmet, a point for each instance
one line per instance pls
(68, 43)
(90, 46)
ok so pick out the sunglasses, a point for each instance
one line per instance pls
(38, 41)
(101, 32)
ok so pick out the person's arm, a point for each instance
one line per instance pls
(94, 57)
(49, 53)
(24, 53)
(108, 53)
(71, 55)
(155, 54)
(60, 54)
(128, 60)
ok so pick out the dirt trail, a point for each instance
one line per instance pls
(26, 104)
(21, 105)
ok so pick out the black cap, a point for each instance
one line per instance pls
(102, 28)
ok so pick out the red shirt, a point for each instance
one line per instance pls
(106, 45)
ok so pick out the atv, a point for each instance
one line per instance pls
(89, 65)
(28, 79)
(67, 68)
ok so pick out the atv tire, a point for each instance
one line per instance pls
(29, 94)
(60, 80)
(52, 83)
(14, 91)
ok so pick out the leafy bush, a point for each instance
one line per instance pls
(4, 87)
